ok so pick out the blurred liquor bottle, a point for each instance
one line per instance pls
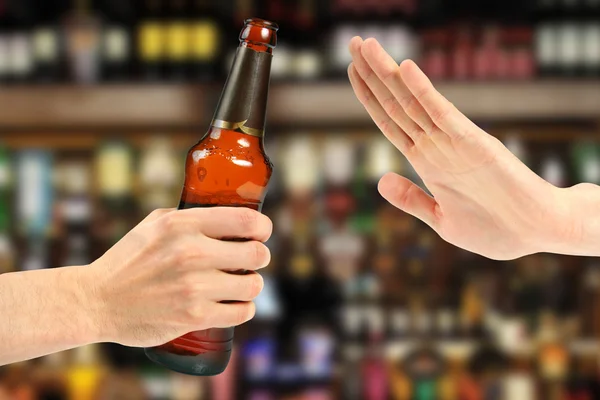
(472, 310)
(204, 41)
(4, 42)
(351, 383)
(553, 169)
(435, 56)
(156, 381)
(449, 383)
(21, 64)
(34, 199)
(339, 164)
(160, 175)
(490, 59)
(85, 373)
(343, 251)
(317, 347)
(463, 53)
(546, 48)
(117, 42)
(114, 171)
(75, 211)
(300, 184)
(488, 365)
(586, 157)
(374, 370)
(83, 32)
(16, 382)
(590, 46)
(520, 63)
(514, 142)
(152, 40)
(374, 161)
(185, 387)
(122, 383)
(243, 9)
(46, 41)
(6, 183)
(425, 365)
(308, 62)
(177, 40)
(400, 384)
(49, 377)
(589, 300)
(339, 57)
(552, 357)
(519, 381)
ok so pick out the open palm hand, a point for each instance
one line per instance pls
(484, 199)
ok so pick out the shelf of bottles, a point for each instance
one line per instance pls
(360, 300)
(153, 58)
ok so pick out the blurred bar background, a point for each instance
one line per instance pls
(100, 100)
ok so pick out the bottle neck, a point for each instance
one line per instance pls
(243, 103)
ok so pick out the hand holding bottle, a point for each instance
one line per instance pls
(166, 277)
(484, 199)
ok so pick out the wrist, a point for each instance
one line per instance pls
(578, 221)
(82, 282)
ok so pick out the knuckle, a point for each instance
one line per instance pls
(413, 106)
(244, 313)
(248, 219)
(422, 93)
(259, 254)
(168, 222)
(256, 284)
(184, 255)
(391, 75)
(405, 101)
(391, 106)
(188, 285)
(384, 125)
(441, 114)
(195, 313)
(156, 213)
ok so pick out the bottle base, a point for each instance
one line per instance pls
(209, 364)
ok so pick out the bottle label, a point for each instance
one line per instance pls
(151, 40)
(243, 103)
(203, 40)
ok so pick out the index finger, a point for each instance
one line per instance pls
(227, 222)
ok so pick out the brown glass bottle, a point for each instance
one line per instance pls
(228, 167)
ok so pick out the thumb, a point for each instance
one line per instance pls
(408, 197)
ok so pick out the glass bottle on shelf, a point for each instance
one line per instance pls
(151, 40)
(114, 182)
(177, 43)
(34, 199)
(46, 42)
(6, 182)
(159, 173)
(85, 373)
(116, 46)
(205, 40)
(83, 42)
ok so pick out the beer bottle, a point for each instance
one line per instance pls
(228, 167)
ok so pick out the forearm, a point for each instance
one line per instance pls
(43, 312)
